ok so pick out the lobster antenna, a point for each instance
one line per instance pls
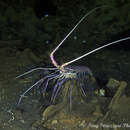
(57, 47)
(90, 52)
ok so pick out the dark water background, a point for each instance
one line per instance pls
(28, 37)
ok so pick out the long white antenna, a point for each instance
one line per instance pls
(90, 52)
(57, 47)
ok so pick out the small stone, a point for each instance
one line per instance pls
(98, 112)
(54, 122)
(22, 121)
(82, 124)
(102, 92)
(75, 37)
(84, 41)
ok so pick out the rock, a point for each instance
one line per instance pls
(112, 83)
(118, 94)
(51, 111)
(116, 99)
